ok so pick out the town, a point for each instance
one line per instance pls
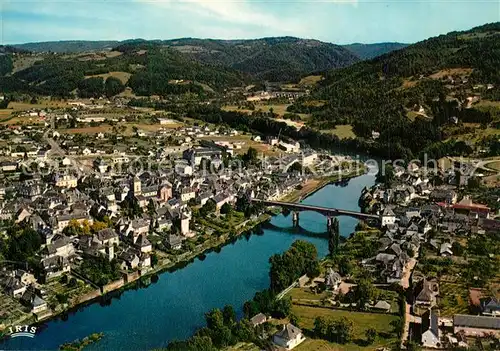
(424, 277)
(85, 212)
(250, 194)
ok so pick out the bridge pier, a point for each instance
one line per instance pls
(329, 223)
(295, 218)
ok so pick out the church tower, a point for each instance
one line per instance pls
(136, 186)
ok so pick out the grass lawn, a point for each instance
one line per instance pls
(323, 345)
(361, 321)
(309, 186)
(494, 165)
(343, 131)
(451, 72)
(243, 346)
(306, 294)
(278, 109)
(476, 135)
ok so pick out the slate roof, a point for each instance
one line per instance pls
(481, 322)
(106, 234)
(289, 332)
(430, 322)
(258, 319)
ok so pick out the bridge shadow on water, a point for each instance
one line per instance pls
(296, 230)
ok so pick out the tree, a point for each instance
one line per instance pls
(397, 324)
(214, 319)
(290, 265)
(371, 335)
(343, 330)
(226, 208)
(345, 265)
(281, 308)
(113, 86)
(334, 237)
(295, 167)
(250, 156)
(293, 319)
(209, 207)
(320, 327)
(97, 226)
(229, 315)
(72, 282)
(386, 175)
(365, 292)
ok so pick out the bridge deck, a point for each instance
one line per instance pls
(323, 210)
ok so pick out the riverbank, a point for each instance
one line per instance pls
(315, 184)
(130, 280)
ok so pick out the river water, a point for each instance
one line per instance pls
(174, 306)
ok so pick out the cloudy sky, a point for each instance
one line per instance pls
(337, 21)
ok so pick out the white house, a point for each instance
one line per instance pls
(289, 337)
(388, 217)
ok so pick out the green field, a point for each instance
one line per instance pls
(343, 131)
(361, 321)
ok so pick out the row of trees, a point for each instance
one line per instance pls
(222, 330)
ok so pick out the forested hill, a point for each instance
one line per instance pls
(408, 95)
(147, 70)
(273, 59)
(62, 67)
(369, 51)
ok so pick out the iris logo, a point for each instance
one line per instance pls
(22, 330)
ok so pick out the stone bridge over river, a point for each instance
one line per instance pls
(328, 212)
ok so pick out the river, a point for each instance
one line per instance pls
(174, 306)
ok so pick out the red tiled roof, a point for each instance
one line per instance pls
(473, 207)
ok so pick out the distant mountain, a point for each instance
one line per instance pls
(68, 46)
(369, 51)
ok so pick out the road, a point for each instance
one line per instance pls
(405, 281)
(406, 327)
(58, 151)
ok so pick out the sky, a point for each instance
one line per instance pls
(336, 21)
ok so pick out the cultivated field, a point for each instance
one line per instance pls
(123, 76)
(310, 80)
(24, 106)
(278, 109)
